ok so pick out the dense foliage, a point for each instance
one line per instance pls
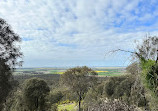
(109, 105)
(34, 94)
(126, 89)
(79, 80)
(9, 55)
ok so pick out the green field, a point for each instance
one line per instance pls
(102, 71)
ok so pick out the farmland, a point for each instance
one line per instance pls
(102, 71)
(53, 74)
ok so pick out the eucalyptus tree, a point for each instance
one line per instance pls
(35, 91)
(9, 56)
(79, 80)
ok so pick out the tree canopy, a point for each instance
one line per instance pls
(79, 80)
(9, 51)
(35, 91)
(9, 55)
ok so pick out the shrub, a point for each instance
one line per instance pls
(111, 105)
(55, 97)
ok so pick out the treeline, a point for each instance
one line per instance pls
(79, 85)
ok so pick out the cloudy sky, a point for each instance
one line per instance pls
(79, 32)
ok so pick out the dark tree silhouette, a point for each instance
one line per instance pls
(9, 54)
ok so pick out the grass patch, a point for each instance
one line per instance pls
(69, 107)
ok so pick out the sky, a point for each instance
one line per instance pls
(66, 33)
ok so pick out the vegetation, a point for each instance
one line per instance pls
(9, 55)
(68, 107)
(102, 71)
(79, 80)
(146, 55)
(78, 88)
(34, 94)
(148, 63)
(109, 105)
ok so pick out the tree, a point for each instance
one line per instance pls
(55, 97)
(148, 50)
(79, 80)
(145, 50)
(15, 102)
(9, 55)
(133, 68)
(34, 94)
(9, 52)
(149, 53)
(146, 54)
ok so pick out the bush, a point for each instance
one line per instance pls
(55, 97)
(149, 77)
(125, 88)
(117, 87)
(54, 107)
(111, 105)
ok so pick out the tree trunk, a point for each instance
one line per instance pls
(79, 103)
(36, 104)
(157, 57)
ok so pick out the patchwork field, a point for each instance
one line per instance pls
(102, 71)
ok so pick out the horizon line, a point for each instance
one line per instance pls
(68, 66)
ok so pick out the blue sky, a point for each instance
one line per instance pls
(79, 32)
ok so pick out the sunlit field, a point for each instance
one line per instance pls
(69, 107)
(102, 71)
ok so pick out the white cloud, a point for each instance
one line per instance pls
(74, 31)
